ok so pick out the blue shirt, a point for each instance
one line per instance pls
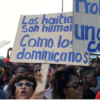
(3, 94)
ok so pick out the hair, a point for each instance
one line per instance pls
(75, 68)
(17, 78)
(96, 62)
(86, 70)
(22, 66)
(59, 81)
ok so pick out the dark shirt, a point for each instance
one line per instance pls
(89, 95)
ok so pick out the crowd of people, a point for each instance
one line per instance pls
(19, 81)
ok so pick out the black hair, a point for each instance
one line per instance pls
(97, 62)
(86, 70)
(60, 79)
(23, 65)
(7, 80)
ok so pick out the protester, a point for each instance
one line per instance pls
(97, 68)
(23, 86)
(66, 84)
(89, 78)
(96, 65)
(37, 73)
(19, 80)
(2, 93)
(22, 68)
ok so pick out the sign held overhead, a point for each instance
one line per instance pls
(86, 26)
(46, 39)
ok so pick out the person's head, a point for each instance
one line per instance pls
(66, 85)
(75, 68)
(8, 63)
(22, 69)
(97, 67)
(22, 86)
(89, 76)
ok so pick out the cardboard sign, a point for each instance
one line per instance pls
(46, 39)
(86, 26)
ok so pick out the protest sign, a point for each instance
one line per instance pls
(86, 25)
(46, 39)
(3, 43)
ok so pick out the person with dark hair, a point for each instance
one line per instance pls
(66, 84)
(96, 65)
(23, 86)
(89, 78)
(37, 73)
(22, 68)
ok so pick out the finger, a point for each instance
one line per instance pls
(41, 92)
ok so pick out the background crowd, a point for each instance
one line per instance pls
(19, 80)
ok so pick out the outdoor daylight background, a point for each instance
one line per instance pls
(10, 11)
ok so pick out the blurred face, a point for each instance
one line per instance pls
(91, 79)
(25, 91)
(74, 89)
(97, 67)
(8, 64)
(22, 70)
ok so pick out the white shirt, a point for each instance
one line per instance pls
(5, 88)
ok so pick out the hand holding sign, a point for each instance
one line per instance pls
(46, 39)
(37, 73)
